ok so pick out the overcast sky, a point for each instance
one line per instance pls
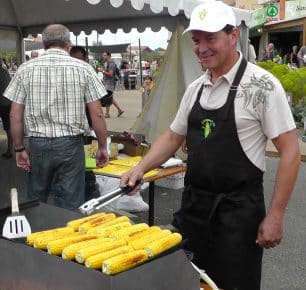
(147, 38)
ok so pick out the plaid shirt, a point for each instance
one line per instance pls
(55, 89)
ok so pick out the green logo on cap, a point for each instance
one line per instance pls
(202, 14)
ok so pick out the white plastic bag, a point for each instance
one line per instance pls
(133, 203)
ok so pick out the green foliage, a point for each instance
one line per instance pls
(151, 56)
(8, 55)
(294, 82)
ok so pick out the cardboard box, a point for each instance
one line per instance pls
(132, 147)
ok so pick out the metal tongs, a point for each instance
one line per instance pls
(205, 277)
(96, 203)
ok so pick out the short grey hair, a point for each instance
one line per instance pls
(55, 35)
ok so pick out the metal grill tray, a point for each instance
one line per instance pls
(26, 268)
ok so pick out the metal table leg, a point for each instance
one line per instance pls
(151, 203)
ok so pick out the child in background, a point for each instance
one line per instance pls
(146, 89)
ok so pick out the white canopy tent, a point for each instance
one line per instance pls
(18, 18)
(24, 17)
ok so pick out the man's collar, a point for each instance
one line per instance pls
(56, 50)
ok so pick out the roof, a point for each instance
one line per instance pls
(118, 48)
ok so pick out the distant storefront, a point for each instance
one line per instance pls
(267, 26)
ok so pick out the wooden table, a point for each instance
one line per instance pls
(162, 173)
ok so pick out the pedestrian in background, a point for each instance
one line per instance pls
(146, 89)
(5, 107)
(302, 56)
(110, 83)
(49, 95)
(227, 115)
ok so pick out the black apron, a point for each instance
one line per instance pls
(222, 204)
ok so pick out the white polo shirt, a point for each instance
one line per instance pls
(262, 111)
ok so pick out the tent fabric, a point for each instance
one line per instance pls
(31, 16)
(179, 69)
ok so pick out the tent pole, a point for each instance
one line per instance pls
(140, 62)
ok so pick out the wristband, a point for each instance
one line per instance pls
(19, 149)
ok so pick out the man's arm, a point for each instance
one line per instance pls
(162, 149)
(99, 126)
(271, 229)
(16, 127)
(299, 54)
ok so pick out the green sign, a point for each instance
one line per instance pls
(272, 12)
(258, 17)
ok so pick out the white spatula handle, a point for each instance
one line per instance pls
(14, 201)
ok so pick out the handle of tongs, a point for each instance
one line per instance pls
(205, 277)
(113, 195)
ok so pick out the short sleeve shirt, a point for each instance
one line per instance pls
(262, 111)
(54, 88)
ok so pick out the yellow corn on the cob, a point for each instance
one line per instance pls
(70, 251)
(140, 243)
(155, 248)
(96, 222)
(143, 233)
(42, 242)
(95, 261)
(121, 234)
(75, 224)
(31, 238)
(124, 262)
(106, 231)
(116, 221)
(83, 254)
(56, 247)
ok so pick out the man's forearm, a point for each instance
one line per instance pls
(286, 176)
(98, 122)
(17, 125)
(284, 184)
(162, 149)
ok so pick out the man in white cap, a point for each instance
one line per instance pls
(227, 115)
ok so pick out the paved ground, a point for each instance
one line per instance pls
(283, 267)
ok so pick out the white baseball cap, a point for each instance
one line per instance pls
(211, 16)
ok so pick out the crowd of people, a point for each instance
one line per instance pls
(296, 58)
(222, 214)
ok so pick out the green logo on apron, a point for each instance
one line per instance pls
(207, 125)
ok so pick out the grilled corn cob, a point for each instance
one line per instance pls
(83, 254)
(121, 234)
(96, 222)
(155, 248)
(143, 233)
(56, 247)
(140, 243)
(95, 261)
(70, 251)
(75, 224)
(124, 262)
(106, 231)
(42, 242)
(31, 238)
(116, 221)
